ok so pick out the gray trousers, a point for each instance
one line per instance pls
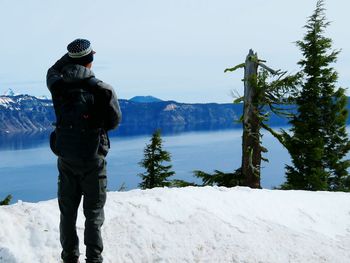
(77, 179)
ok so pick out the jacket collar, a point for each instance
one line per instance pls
(76, 73)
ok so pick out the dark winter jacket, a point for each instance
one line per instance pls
(88, 141)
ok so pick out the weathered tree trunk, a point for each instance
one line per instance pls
(251, 149)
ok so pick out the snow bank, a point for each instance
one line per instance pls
(210, 224)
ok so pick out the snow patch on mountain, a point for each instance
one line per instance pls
(193, 224)
(43, 97)
(5, 101)
(8, 103)
(9, 92)
(170, 107)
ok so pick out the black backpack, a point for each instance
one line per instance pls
(79, 134)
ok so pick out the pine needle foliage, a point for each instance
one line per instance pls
(317, 141)
(157, 173)
(6, 201)
(219, 178)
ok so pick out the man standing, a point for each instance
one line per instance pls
(86, 108)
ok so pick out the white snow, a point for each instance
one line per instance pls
(170, 107)
(208, 224)
(9, 92)
(6, 101)
(43, 97)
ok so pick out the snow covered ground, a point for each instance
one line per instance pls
(210, 224)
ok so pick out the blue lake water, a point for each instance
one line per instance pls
(28, 169)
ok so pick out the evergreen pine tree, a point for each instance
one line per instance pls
(337, 143)
(156, 174)
(318, 140)
(6, 201)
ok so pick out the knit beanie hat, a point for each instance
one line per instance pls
(80, 51)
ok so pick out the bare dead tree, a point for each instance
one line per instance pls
(257, 95)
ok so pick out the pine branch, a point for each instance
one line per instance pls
(275, 134)
(274, 72)
(242, 65)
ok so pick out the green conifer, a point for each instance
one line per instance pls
(6, 201)
(318, 141)
(156, 174)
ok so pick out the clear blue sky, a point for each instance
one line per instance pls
(171, 49)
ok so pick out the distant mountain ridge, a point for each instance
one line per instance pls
(145, 99)
(9, 92)
(25, 113)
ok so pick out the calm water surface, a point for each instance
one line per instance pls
(28, 169)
